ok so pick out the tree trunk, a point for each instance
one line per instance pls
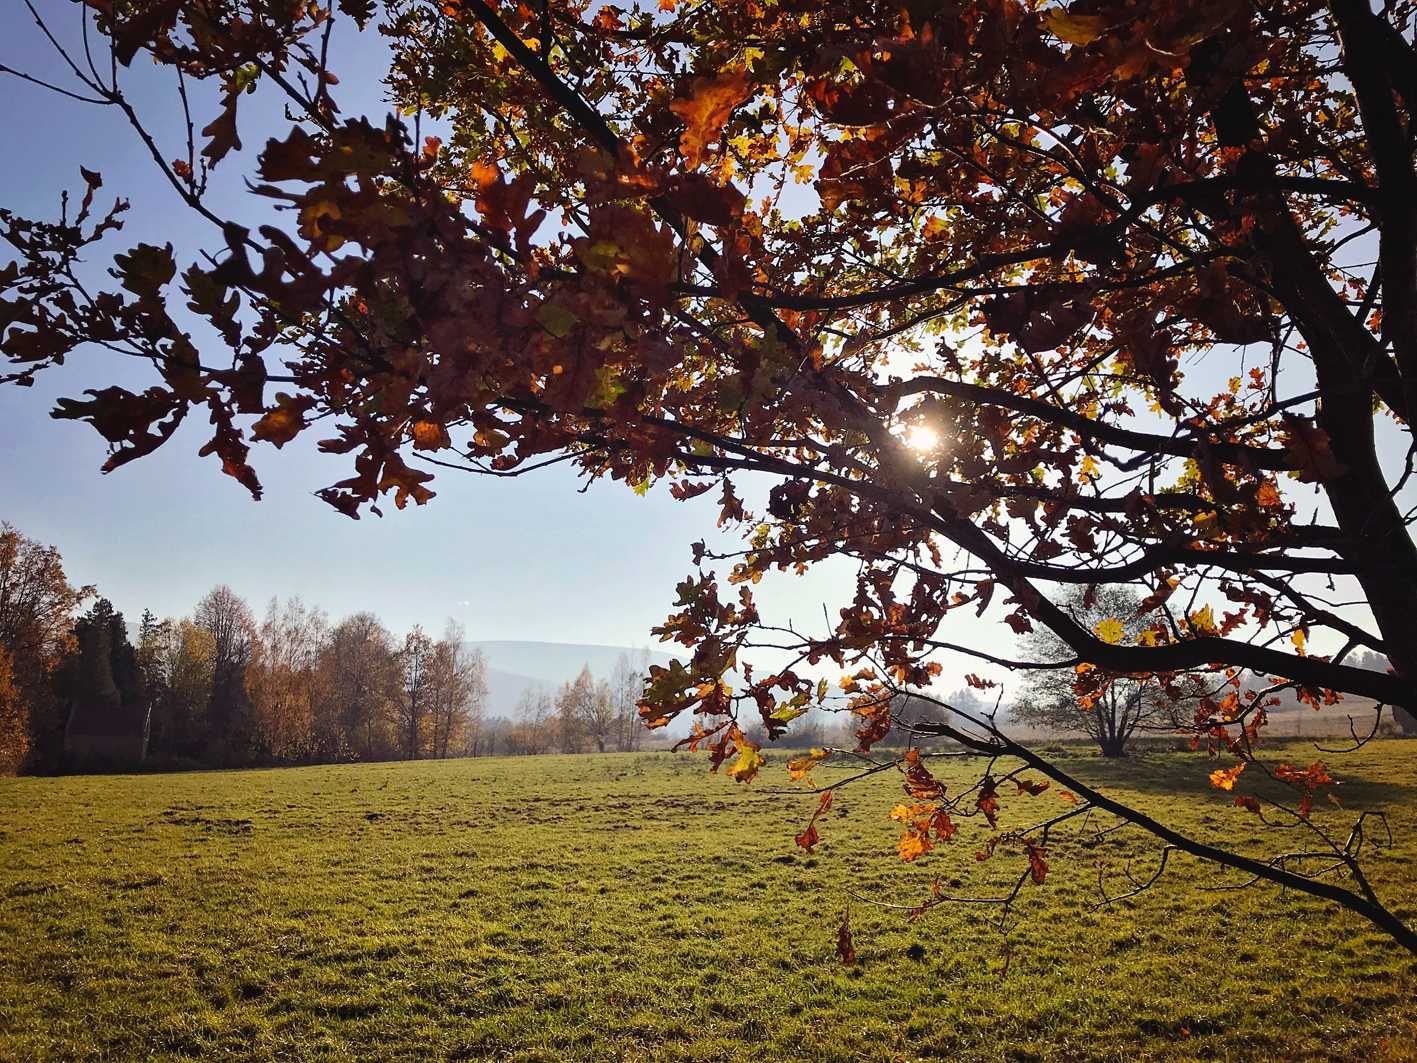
(1344, 352)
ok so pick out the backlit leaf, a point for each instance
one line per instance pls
(1075, 29)
(1109, 631)
(1224, 778)
(705, 109)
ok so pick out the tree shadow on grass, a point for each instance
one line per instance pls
(1153, 773)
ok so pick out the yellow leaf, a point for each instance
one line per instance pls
(747, 765)
(789, 712)
(798, 767)
(1075, 29)
(1109, 631)
(1202, 622)
(556, 319)
(905, 813)
(278, 426)
(1299, 639)
(312, 213)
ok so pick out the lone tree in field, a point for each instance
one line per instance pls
(1116, 707)
(1005, 297)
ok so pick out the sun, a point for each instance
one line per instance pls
(922, 439)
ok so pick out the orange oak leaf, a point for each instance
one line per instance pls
(913, 845)
(1310, 448)
(1037, 865)
(809, 837)
(988, 801)
(430, 435)
(942, 825)
(798, 767)
(283, 423)
(705, 110)
(1224, 778)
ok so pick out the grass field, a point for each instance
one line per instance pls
(630, 907)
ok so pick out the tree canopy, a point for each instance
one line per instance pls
(1004, 297)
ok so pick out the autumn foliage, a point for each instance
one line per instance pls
(1003, 297)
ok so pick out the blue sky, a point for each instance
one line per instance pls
(530, 558)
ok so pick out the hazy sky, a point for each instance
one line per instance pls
(529, 558)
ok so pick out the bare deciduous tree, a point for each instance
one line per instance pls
(1108, 708)
(535, 726)
(284, 679)
(459, 690)
(416, 670)
(626, 687)
(573, 707)
(227, 619)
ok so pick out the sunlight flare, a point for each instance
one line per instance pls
(922, 439)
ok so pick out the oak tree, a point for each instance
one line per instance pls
(1003, 297)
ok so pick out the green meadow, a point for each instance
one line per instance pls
(638, 907)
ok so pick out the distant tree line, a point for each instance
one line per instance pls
(293, 688)
(586, 715)
(221, 688)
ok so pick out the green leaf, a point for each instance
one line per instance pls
(556, 319)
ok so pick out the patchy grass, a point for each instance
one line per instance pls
(635, 907)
